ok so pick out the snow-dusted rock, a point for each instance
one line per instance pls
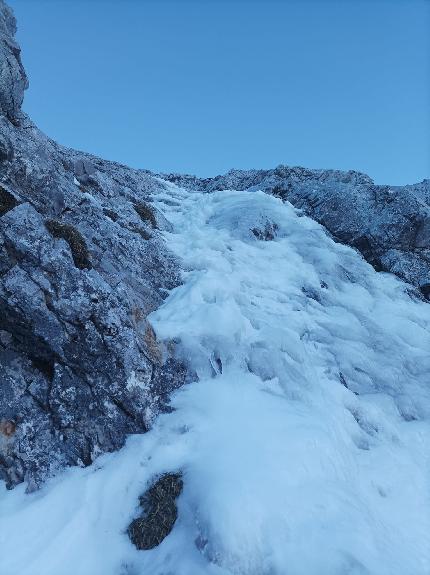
(389, 226)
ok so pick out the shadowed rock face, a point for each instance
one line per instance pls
(13, 80)
(80, 270)
(389, 226)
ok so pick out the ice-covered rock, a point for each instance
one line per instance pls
(389, 226)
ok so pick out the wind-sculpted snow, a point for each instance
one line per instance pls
(303, 443)
(388, 225)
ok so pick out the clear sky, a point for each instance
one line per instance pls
(207, 85)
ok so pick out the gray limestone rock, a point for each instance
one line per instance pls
(80, 270)
(13, 80)
(83, 170)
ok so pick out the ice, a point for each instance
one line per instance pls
(304, 442)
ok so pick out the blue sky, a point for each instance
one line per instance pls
(205, 86)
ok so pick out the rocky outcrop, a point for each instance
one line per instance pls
(13, 80)
(389, 226)
(82, 264)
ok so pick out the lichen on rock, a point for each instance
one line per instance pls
(74, 238)
(146, 213)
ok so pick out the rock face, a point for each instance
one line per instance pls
(82, 264)
(389, 226)
(13, 80)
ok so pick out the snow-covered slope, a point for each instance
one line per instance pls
(388, 225)
(303, 441)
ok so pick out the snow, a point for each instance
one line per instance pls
(303, 442)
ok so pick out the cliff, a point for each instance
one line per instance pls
(82, 264)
